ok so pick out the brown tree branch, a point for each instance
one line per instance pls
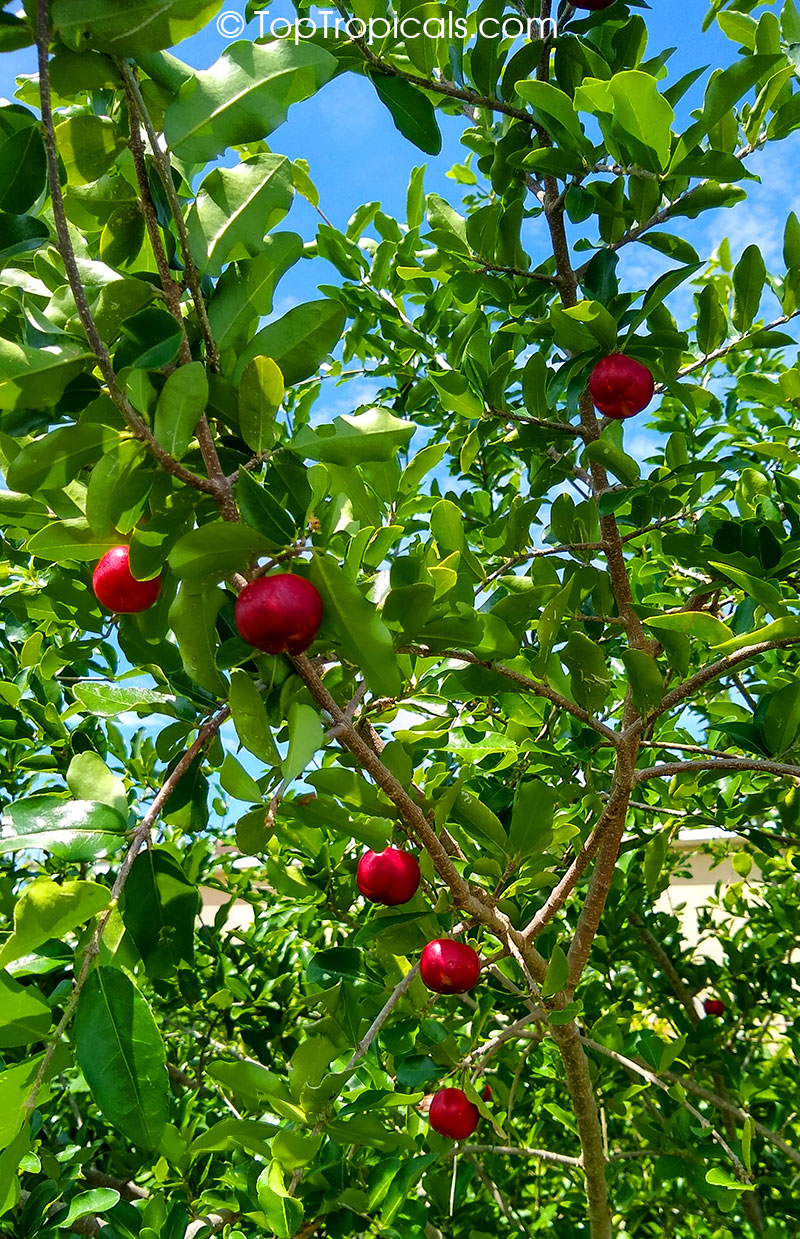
(718, 765)
(137, 426)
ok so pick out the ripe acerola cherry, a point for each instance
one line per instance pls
(620, 386)
(116, 588)
(389, 877)
(453, 1114)
(279, 614)
(714, 1006)
(449, 967)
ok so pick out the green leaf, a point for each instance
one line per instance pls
(244, 291)
(712, 323)
(605, 451)
(261, 393)
(250, 719)
(89, 778)
(15, 1085)
(755, 587)
(86, 1204)
(298, 342)
(48, 910)
(360, 632)
(749, 277)
(235, 207)
(237, 782)
(707, 628)
(76, 830)
(180, 406)
(23, 158)
(557, 973)
(24, 1014)
(727, 86)
(589, 675)
(283, 1212)
(781, 719)
(656, 294)
(230, 1134)
(584, 326)
(787, 628)
(554, 111)
(192, 618)
(375, 434)
(244, 96)
(70, 542)
(260, 510)
(645, 680)
(306, 735)
(455, 393)
(412, 111)
(532, 817)
(51, 463)
(159, 906)
(152, 25)
(111, 700)
(88, 146)
(121, 1054)
(213, 552)
(635, 118)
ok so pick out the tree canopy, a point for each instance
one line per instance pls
(546, 650)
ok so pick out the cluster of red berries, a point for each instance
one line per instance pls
(278, 614)
(392, 877)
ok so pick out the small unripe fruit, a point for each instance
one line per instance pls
(449, 967)
(117, 589)
(279, 614)
(453, 1114)
(620, 386)
(389, 877)
(714, 1006)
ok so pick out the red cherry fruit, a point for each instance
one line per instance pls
(487, 1092)
(389, 877)
(453, 1114)
(620, 387)
(714, 1006)
(279, 614)
(116, 588)
(449, 967)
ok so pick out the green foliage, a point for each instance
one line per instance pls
(553, 647)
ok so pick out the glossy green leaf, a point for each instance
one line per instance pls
(153, 24)
(261, 393)
(213, 552)
(51, 462)
(244, 291)
(299, 341)
(180, 406)
(48, 910)
(589, 674)
(261, 511)
(250, 718)
(121, 1054)
(645, 679)
(411, 110)
(244, 96)
(781, 719)
(360, 633)
(22, 155)
(557, 973)
(15, 1085)
(88, 1204)
(89, 778)
(235, 207)
(700, 624)
(74, 830)
(749, 277)
(35, 379)
(25, 1017)
(532, 817)
(283, 1212)
(192, 618)
(88, 145)
(159, 906)
(305, 737)
(553, 110)
(375, 434)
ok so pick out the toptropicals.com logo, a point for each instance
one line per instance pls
(327, 22)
